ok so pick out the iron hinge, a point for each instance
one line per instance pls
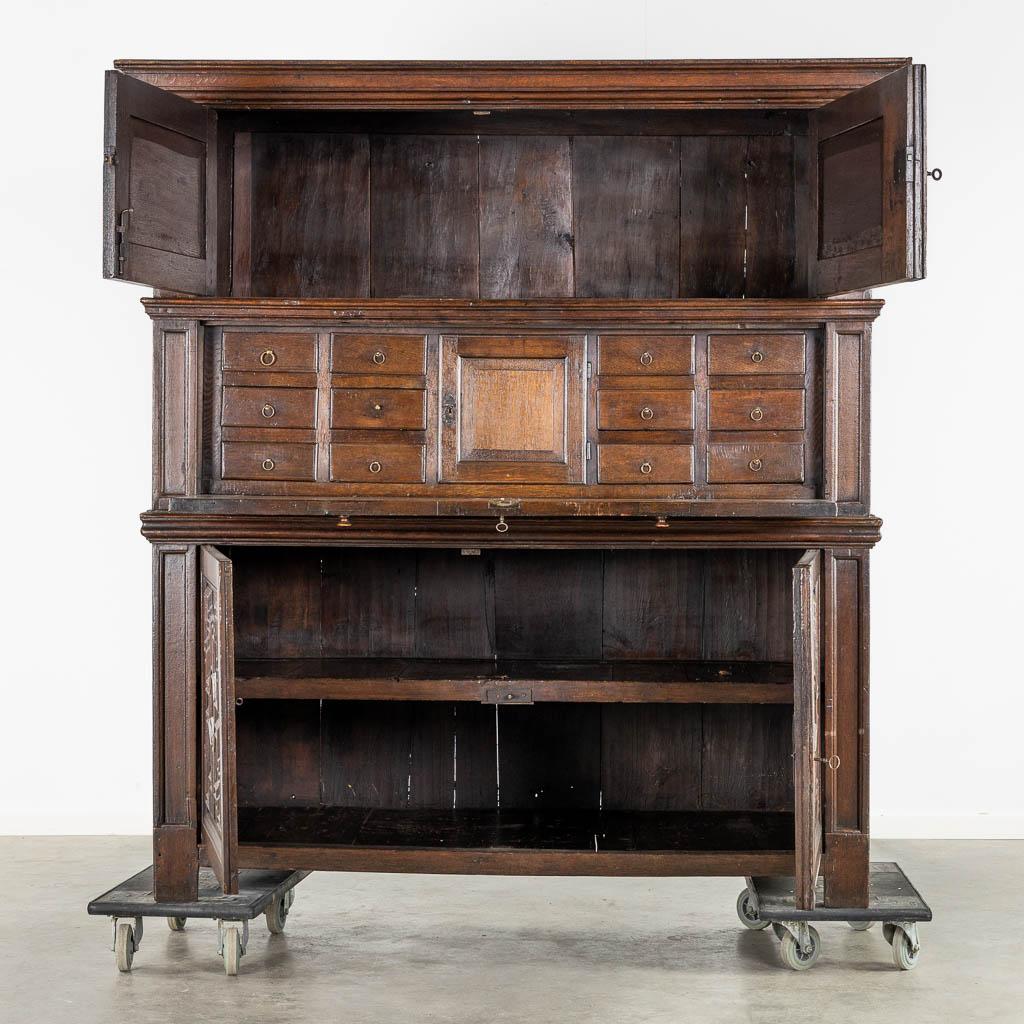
(122, 244)
(110, 159)
(589, 451)
(590, 369)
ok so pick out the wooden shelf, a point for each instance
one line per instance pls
(487, 681)
(517, 841)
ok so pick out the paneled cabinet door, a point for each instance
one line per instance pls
(807, 724)
(512, 409)
(866, 174)
(219, 789)
(159, 188)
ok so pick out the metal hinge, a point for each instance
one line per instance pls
(122, 245)
(590, 369)
(507, 503)
(110, 159)
(589, 451)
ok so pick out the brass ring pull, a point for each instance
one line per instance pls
(501, 526)
(377, 407)
(268, 464)
(647, 413)
(269, 357)
(832, 762)
(756, 357)
(375, 466)
(268, 411)
(757, 414)
(645, 468)
(379, 357)
(646, 359)
(755, 465)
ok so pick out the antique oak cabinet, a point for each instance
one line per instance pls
(511, 504)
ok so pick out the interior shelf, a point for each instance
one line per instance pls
(516, 681)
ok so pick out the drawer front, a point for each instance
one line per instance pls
(634, 354)
(645, 410)
(279, 353)
(380, 463)
(645, 464)
(756, 410)
(381, 408)
(755, 464)
(269, 407)
(755, 353)
(378, 353)
(254, 460)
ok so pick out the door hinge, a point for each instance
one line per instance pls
(589, 451)
(122, 244)
(590, 369)
(110, 159)
(903, 165)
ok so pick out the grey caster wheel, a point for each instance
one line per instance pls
(277, 915)
(797, 958)
(906, 947)
(747, 912)
(127, 939)
(861, 926)
(176, 924)
(233, 937)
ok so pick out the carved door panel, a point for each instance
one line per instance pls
(867, 186)
(512, 409)
(217, 721)
(807, 724)
(159, 188)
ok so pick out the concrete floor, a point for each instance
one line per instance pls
(393, 948)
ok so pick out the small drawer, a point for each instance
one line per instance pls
(645, 464)
(378, 353)
(645, 410)
(646, 354)
(385, 409)
(755, 353)
(281, 353)
(383, 463)
(255, 460)
(755, 464)
(756, 410)
(269, 407)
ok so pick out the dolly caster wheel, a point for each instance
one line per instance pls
(779, 930)
(176, 924)
(277, 915)
(746, 911)
(888, 931)
(906, 948)
(861, 926)
(127, 939)
(233, 937)
(797, 958)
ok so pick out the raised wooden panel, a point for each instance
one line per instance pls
(512, 409)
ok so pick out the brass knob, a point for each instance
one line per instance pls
(375, 466)
(647, 413)
(377, 407)
(379, 357)
(268, 464)
(268, 411)
(269, 357)
(646, 359)
(755, 465)
(757, 414)
(645, 468)
(756, 357)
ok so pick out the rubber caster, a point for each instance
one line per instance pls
(861, 926)
(800, 959)
(277, 915)
(127, 939)
(888, 931)
(233, 937)
(778, 930)
(290, 897)
(747, 912)
(905, 952)
(176, 924)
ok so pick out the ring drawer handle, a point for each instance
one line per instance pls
(757, 414)
(647, 413)
(645, 468)
(756, 357)
(755, 465)
(268, 411)
(379, 357)
(269, 357)
(646, 359)
(375, 466)
(268, 464)
(377, 407)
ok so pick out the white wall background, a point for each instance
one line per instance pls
(947, 681)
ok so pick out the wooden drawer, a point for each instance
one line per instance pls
(269, 407)
(645, 464)
(756, 463)
(378, 353)
(644, 410)
(755, 353)
(756, 410)
(256, 460)
(383, 408)
(381, 463)
(646, 354)
(280, 353)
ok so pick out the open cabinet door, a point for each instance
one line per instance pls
(159, 188)
(217, 722)
(807, 724)
(866, 179)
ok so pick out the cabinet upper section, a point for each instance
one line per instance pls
(650, 180)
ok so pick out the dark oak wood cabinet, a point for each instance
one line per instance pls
(511, 503)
